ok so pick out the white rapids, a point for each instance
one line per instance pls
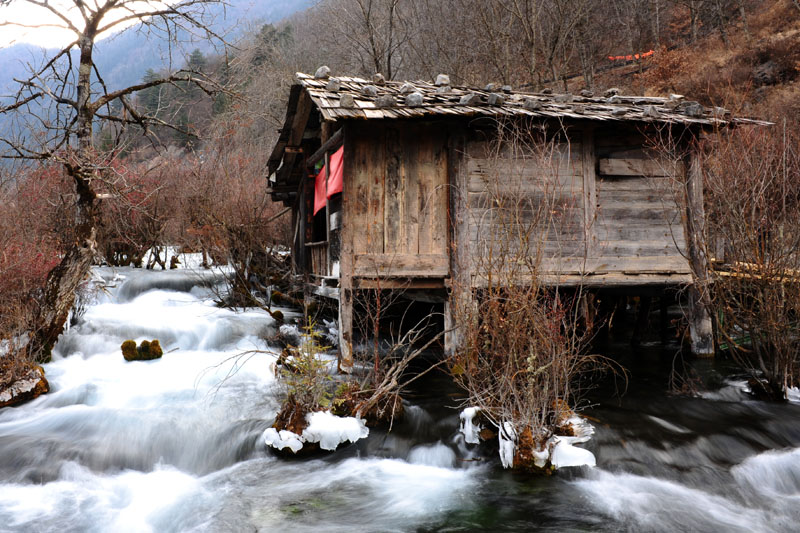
(176, 444)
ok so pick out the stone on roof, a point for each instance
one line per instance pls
(359, 98)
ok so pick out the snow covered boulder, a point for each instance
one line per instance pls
(330, 430)
(31, 385)
(283, 439)
(323, 430)
(525, 452)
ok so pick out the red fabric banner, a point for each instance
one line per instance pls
(334, 182)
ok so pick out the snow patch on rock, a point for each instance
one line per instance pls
(793, 394)
(564, 453)
(508, 444)
(559, 450)
(330, 430)
(283, 439)
(291, 334)
(468, 426)
(323, 427)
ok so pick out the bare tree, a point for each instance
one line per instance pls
(756, 290)
(62, 103)
(695, 8)
(375, 30)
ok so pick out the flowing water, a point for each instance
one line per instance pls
(175, 444)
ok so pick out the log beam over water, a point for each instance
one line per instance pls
(700, 325)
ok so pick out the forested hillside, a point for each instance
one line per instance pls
(728, 53)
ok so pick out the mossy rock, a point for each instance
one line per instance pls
(31, 385)
(146, 351)
(129, 350)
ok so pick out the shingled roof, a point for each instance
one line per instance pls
(345, 97)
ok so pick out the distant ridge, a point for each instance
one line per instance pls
(124, 58)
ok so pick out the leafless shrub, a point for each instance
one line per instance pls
(753, 209)
(524, 352)
(383, 358)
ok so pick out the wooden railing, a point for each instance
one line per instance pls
(319, 257)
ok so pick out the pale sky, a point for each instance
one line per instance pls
(22, 12)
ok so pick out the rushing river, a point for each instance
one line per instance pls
(175, 444)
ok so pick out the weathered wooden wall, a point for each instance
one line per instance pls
(598, 208)
(525, 205)
(638, 226)
(396, 199)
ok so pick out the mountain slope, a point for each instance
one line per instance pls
(124, 58)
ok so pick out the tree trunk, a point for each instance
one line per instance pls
(59, 296)
(693, 21)
(743, 14)
(65, 279)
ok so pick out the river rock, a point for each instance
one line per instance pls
(347, 101)
(31, 385)
(369, 90)
(146, 351)
(387, 100)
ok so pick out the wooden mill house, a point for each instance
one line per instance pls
(412, 165)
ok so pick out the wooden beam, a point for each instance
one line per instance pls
(401, 265)
(291, 109)
(459, 249)
(346, 268)
(294, 138)
(700, 324)
(331, 145)
(399, 283)
(327, 216)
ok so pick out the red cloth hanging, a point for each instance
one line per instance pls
(334, 182)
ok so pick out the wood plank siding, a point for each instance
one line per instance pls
(639, 226)
(397, 199)
(590, 209)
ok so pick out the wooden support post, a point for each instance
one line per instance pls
(700, 325)
(308, 201)
(605, 308)
(664, 317)
(642, 319)
(460, 295)
(346, 269)
(587, 310)
(346, 325)
(297, 244)
(327, 217)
